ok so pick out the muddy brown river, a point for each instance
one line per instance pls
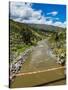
(41, 58)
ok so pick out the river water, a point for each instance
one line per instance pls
(41, 58)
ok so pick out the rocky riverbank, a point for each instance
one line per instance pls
(16, 65)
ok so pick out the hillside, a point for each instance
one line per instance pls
(46, 27)
(33, 48)
(22, 36)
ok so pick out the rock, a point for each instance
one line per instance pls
(16, 66)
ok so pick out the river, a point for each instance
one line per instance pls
(41, 58)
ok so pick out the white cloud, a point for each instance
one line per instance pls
(60, 24)
(20, 10)
(49, 22)
(54, 13)
(23, 12)
(56, 18)
(37, 14)
(35, 20)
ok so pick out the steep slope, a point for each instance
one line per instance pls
(22, 36)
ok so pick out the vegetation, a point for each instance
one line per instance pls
(22, 37)
(58, 44)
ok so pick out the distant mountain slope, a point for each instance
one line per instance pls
(46, 27)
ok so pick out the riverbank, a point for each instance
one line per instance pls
(41, 58)
(17, 64)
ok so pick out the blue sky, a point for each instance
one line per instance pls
(38, 13)
(46, 8)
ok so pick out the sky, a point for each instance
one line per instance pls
(38, 13)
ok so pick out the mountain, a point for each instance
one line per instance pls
(45, 27)
(22, 35)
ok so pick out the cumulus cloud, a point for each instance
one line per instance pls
(60, 24)
(23, 12)
(54, 13)
(20, 10)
